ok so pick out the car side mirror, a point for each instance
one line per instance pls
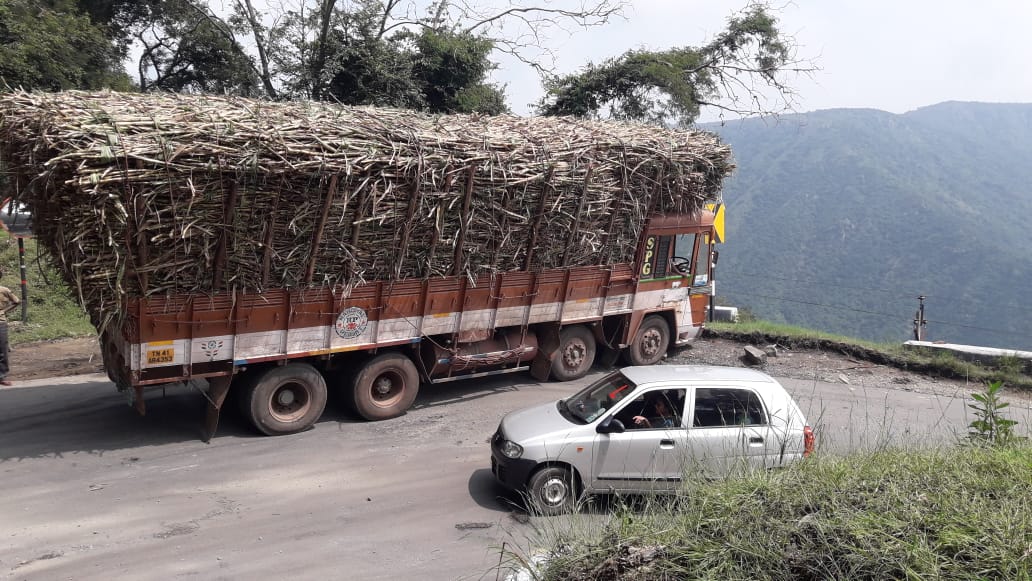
(610, 425)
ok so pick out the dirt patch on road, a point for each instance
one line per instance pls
(55, 359)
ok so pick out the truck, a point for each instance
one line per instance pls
(279, 344)
(283, 349)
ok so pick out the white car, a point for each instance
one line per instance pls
(644, 429)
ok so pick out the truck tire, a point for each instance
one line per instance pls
(650, 343)
(284, 400)
(385, 387)
(576, 353)
(552, 491)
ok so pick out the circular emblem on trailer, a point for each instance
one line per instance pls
(351, 323)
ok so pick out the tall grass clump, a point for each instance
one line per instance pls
(963, 513)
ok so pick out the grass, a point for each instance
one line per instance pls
(1013, 371)
(962, 513)
(52, 312)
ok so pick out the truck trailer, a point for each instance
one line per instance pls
(395, 250)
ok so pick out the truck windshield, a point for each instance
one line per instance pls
(593, 401)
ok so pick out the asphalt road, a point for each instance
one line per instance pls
(92, 491)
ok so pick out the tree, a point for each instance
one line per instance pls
(51, 46)
(730, 73)
(451, 69)
(188, 48)
(381, 52)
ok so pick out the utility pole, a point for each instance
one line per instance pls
(919, 320)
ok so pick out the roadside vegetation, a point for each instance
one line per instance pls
(52, 311)
(1012, 371)
(963, 513)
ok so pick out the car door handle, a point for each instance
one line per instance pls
(666, 444)
(755, 440)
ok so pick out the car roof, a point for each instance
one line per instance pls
(694, 373)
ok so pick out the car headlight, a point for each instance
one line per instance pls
(511, 449)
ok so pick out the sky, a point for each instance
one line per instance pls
(892, 55)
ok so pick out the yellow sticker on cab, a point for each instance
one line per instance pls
(159, 356)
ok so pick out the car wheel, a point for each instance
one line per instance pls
(576, 353)
(552, 491)
(650, 343)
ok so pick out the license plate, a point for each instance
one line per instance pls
(158, 356)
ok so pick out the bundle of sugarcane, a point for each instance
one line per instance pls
(144, 194)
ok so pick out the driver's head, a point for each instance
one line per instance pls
(660, 406)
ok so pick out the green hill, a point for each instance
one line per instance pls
(838, 219)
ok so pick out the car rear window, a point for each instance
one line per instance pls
(718, 407)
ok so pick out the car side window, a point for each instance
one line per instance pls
(657, 409)
(719, 407)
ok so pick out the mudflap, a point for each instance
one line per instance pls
(218, 388)
(548, 344)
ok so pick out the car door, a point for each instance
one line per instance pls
(642, 458)
(729, 431)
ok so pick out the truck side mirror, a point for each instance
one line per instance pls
(610, 425)
(716, 256)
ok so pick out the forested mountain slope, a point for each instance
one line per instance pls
(838, 219)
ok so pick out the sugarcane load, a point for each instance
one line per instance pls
(244, 237)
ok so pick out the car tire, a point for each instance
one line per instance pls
(576, 353)
(650, 343)
(552, 491)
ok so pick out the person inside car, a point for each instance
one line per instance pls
(660, 417)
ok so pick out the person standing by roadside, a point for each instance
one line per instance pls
(8, 301)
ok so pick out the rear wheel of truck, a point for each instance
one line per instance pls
(385, 387)
(284, 400)
(576, 353)
(650, 343)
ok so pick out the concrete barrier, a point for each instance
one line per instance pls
(970, 352)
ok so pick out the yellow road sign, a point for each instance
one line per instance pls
(718, 221)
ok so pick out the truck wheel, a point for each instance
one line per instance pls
(576, 353)
(650, 343)
(385, 387)
(552, 491)
(284, 400)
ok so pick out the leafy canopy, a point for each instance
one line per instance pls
(672, 85)
(50, 46)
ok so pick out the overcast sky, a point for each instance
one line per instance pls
(895, 55)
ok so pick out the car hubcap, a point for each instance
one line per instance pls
(554, 491)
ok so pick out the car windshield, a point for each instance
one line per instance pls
(593, 401)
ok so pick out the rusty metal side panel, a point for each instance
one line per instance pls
(401, 318)
(261, 321)
(311, 313)
(515, 294)
(546, 303)
(584, 298)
